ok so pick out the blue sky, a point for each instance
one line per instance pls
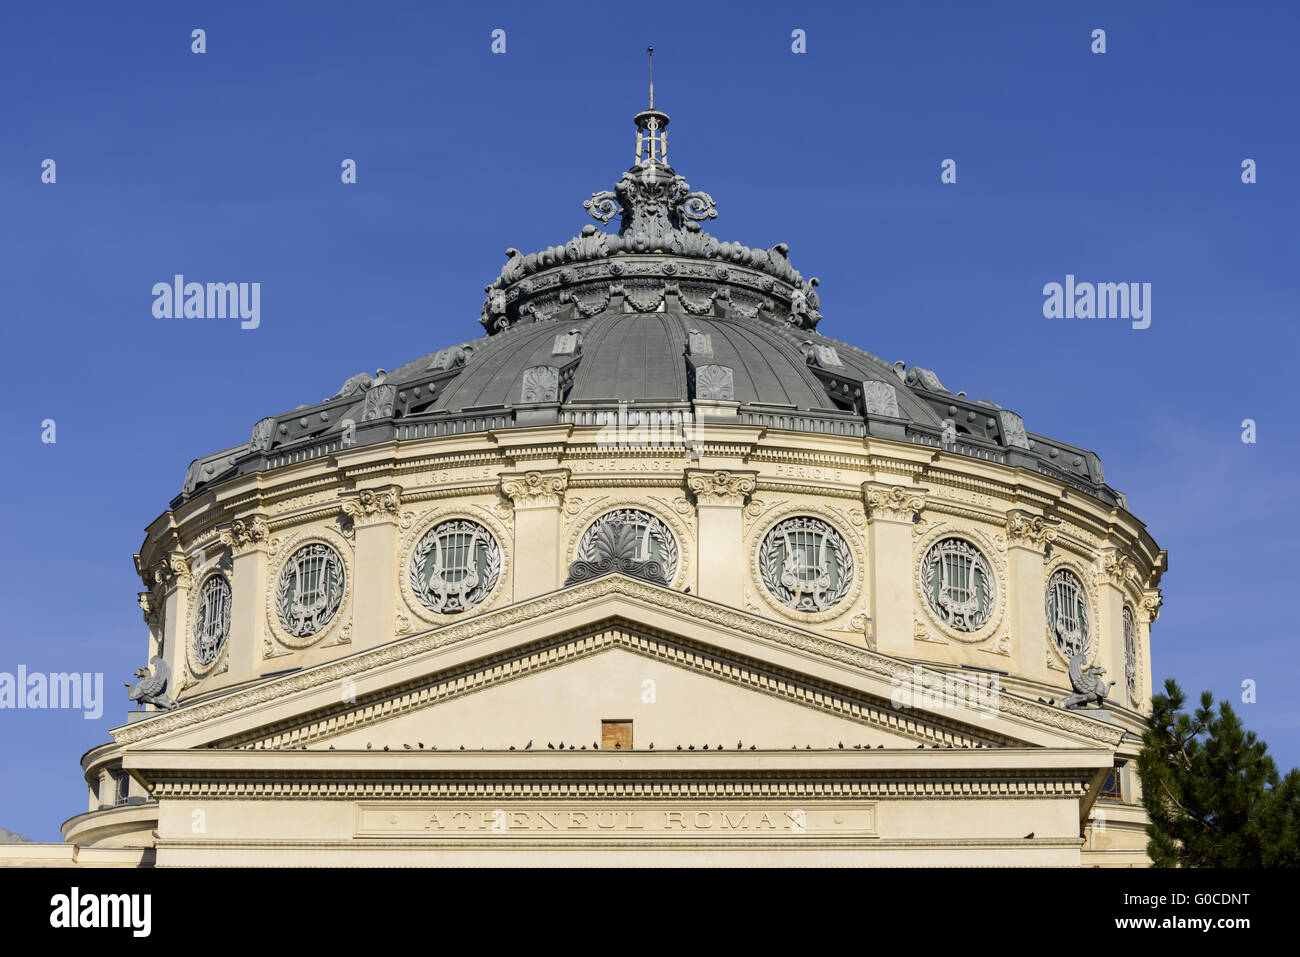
(225, 166)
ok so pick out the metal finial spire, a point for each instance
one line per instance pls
(651, 138)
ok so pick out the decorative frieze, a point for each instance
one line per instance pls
(893, 785)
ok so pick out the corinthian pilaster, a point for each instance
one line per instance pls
(151, 609)
(1148, 611)
(891, 513)
(249, 540)
(1112, 570)
(536, 497)
(172, 581)
(375, 515)
(720, 496)
(1028, 536)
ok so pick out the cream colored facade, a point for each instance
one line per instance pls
(322, 751)
(382, 722)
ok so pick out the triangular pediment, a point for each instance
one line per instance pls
(684, 670)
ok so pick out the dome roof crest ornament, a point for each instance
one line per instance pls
(660, 217)
(656, 204)
(651, 126)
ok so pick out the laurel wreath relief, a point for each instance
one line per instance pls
(488, 574)
(772, 554)
(301, 625)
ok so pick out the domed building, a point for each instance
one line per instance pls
(650, 572)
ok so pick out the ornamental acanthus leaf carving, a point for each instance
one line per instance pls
(241, 533)
(721, 487)
(1024, 528)
(370, 503)
(536, 488)
(899, 503)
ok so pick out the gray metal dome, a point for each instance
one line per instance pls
(657, 317)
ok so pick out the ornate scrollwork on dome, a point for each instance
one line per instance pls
(653, 202)
(658, 214)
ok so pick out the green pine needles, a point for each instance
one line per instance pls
(1213, 795)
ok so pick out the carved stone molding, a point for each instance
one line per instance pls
(920, 632)
(893, 503)
(535, 489)
(784, 784)
(243, 534)
(416, 526)
(997, 567)
(762, 555)
(315, 728)
(1115, 568)
(1000, 645)
(1150, 607)
(739, 621)
(373, 505)
(284, 551)
(577, 524)
(721, 487)
(150, 608)
(1028, 530)
(172, 571)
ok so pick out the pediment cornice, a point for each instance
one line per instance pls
(610, 598)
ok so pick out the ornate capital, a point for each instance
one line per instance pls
(150, 608)
(893, 503)
(1151, 602)
(1029, 530)
(1114, 567)
(372, 505)
(172, 571)
(535, 489)
(721, 487)
(243, 534)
